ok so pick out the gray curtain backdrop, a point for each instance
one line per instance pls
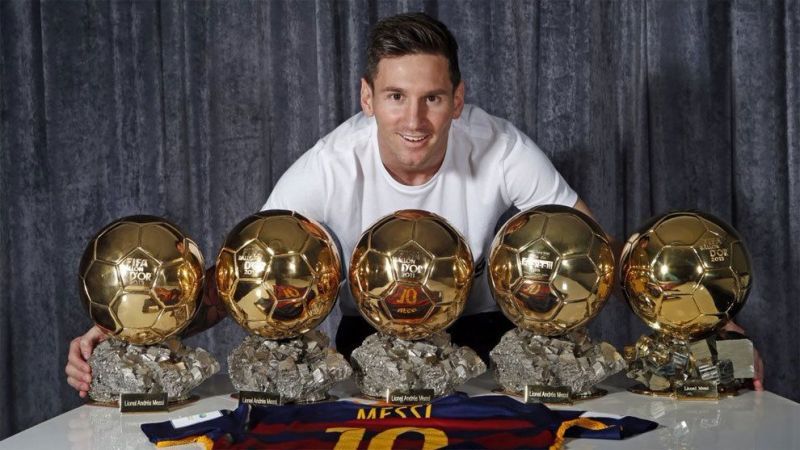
(193, 110)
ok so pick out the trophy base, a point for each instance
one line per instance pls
(169, 367)
(384, 363)
(704, 369)
(570, 361)
(299, 370)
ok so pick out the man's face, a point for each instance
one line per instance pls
(413, 101)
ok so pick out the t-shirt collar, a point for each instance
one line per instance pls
(388, 176)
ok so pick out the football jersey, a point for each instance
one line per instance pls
(453, 422)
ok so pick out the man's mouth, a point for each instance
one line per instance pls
(414, 138)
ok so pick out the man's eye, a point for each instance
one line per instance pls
(433, 99)
(396, 97)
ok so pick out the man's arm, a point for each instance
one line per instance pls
(616, 245)
(582, 207)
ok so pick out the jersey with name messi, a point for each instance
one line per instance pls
(453, 422)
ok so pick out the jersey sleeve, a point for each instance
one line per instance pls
(530, 178)
(302, 187)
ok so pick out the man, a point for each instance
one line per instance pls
(415, 145)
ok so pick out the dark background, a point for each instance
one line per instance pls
(192, 111)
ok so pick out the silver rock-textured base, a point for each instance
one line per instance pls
(384, 363)
(664, 364)
(572, 360)
(299, 370)
(171, 367)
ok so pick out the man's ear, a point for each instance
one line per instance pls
(458, 100)
(366, 98)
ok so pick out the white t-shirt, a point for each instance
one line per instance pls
(489, 166)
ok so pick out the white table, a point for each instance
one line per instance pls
(752, 420)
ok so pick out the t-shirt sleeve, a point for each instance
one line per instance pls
(531, 179)
(301, 188)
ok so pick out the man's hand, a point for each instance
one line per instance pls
(758, 364)
(79, 374)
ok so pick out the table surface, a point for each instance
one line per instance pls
(751, 420)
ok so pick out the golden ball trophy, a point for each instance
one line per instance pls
(410, 275)
(278, 275)
(686, 274)
(141, 281)
(551, 269)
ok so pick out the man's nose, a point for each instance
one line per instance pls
(415, 113)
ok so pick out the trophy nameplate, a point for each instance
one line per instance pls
(156, 402)
(257, 398)
(414, 396)
(698, 390)
(547, 394)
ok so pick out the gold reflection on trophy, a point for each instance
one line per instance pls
(686, 274)
(410, 274)
(551, 269)
(141, 279)
(278, 274)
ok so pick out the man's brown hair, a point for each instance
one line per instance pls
(409, 34)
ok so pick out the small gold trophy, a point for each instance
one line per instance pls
(278, 275)
(410, 275)
(141, 281)
(686, 274)
(551, 269)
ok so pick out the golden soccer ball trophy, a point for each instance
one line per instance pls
(278, 276)
(141, 281)
(686, 274)
(551, 270)
(410, 275)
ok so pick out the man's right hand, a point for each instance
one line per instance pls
(79, 374)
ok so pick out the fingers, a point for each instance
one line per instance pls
(79, 386)
(79, 373)
(75, 357)
(89, 340)
(79, 376)
(731, 326)
(86, 347)
(758, 379)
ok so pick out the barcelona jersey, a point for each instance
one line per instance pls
(453, 422)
